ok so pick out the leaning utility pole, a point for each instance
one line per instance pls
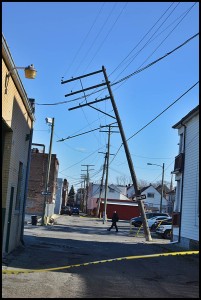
(130, 163)
(129, 160)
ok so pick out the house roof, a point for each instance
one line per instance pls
(187, 117)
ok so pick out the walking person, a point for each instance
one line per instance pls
(115, 219)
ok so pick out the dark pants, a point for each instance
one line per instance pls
(114, 224)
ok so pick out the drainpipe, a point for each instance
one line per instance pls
(182, 182)
(26, 185)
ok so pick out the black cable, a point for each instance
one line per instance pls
(155, 61)
(142, 39)
(128, 76)
(156, 117)
(86, 36)
(163, 111)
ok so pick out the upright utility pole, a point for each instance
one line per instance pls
(87, 184)
(162, 187)
(101, 187)
(106, 178)
(107, 171)
(82, 200)
(46, 192)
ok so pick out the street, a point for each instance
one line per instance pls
(87, 261)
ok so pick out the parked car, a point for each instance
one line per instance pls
(167, 221)
(65, 210)
(75, 211)
(152, 220)
(165, 231)
(137, 221)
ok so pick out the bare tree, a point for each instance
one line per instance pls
(122, 180)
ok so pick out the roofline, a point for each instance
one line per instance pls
(7, 57)
(187, 117)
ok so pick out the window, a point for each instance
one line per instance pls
(150, 195)
(19, 186)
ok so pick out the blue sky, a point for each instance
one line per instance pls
(70, 39)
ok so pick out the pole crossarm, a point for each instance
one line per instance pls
(86, 89)
(88, 103)
(127, 152)
(76, 78)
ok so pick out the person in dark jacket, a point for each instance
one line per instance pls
(115, 219)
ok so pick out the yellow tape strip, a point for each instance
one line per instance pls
(101, 261)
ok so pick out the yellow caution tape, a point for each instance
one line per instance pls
(101, 261)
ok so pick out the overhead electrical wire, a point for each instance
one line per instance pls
(102, 43)
(97, 35)
(128, 76)
(155, 61)
(140, 40)
(85, 38)
(144, 37)
(185, 14)
(156, 117)
(162, 40)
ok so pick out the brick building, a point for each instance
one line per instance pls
(36, 183)
(17, 127)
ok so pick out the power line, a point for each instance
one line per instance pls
(158, 35)
(156, 117)
(102, 43)
(155, 61)
(142, 39)
(86, 37)
(130, 75)
(97, 35)
(163, 110)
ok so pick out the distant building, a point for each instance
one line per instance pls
(58, 200)
(116, 200)
(153, 198)
(36, 183)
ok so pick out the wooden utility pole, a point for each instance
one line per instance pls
(107, 171)
(47, 192)
(128, 156)
(101, 187)
(130, 163)
(87, 184)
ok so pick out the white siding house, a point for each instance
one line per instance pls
(58, 200)
(153, 198)
(114, 192)
(186, 170)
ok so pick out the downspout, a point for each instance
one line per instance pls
(182, 182)
(26, 185)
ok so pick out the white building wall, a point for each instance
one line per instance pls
(58, 200)
(155, 202)
(190, 207)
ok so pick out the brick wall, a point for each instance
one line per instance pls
(36, 183)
